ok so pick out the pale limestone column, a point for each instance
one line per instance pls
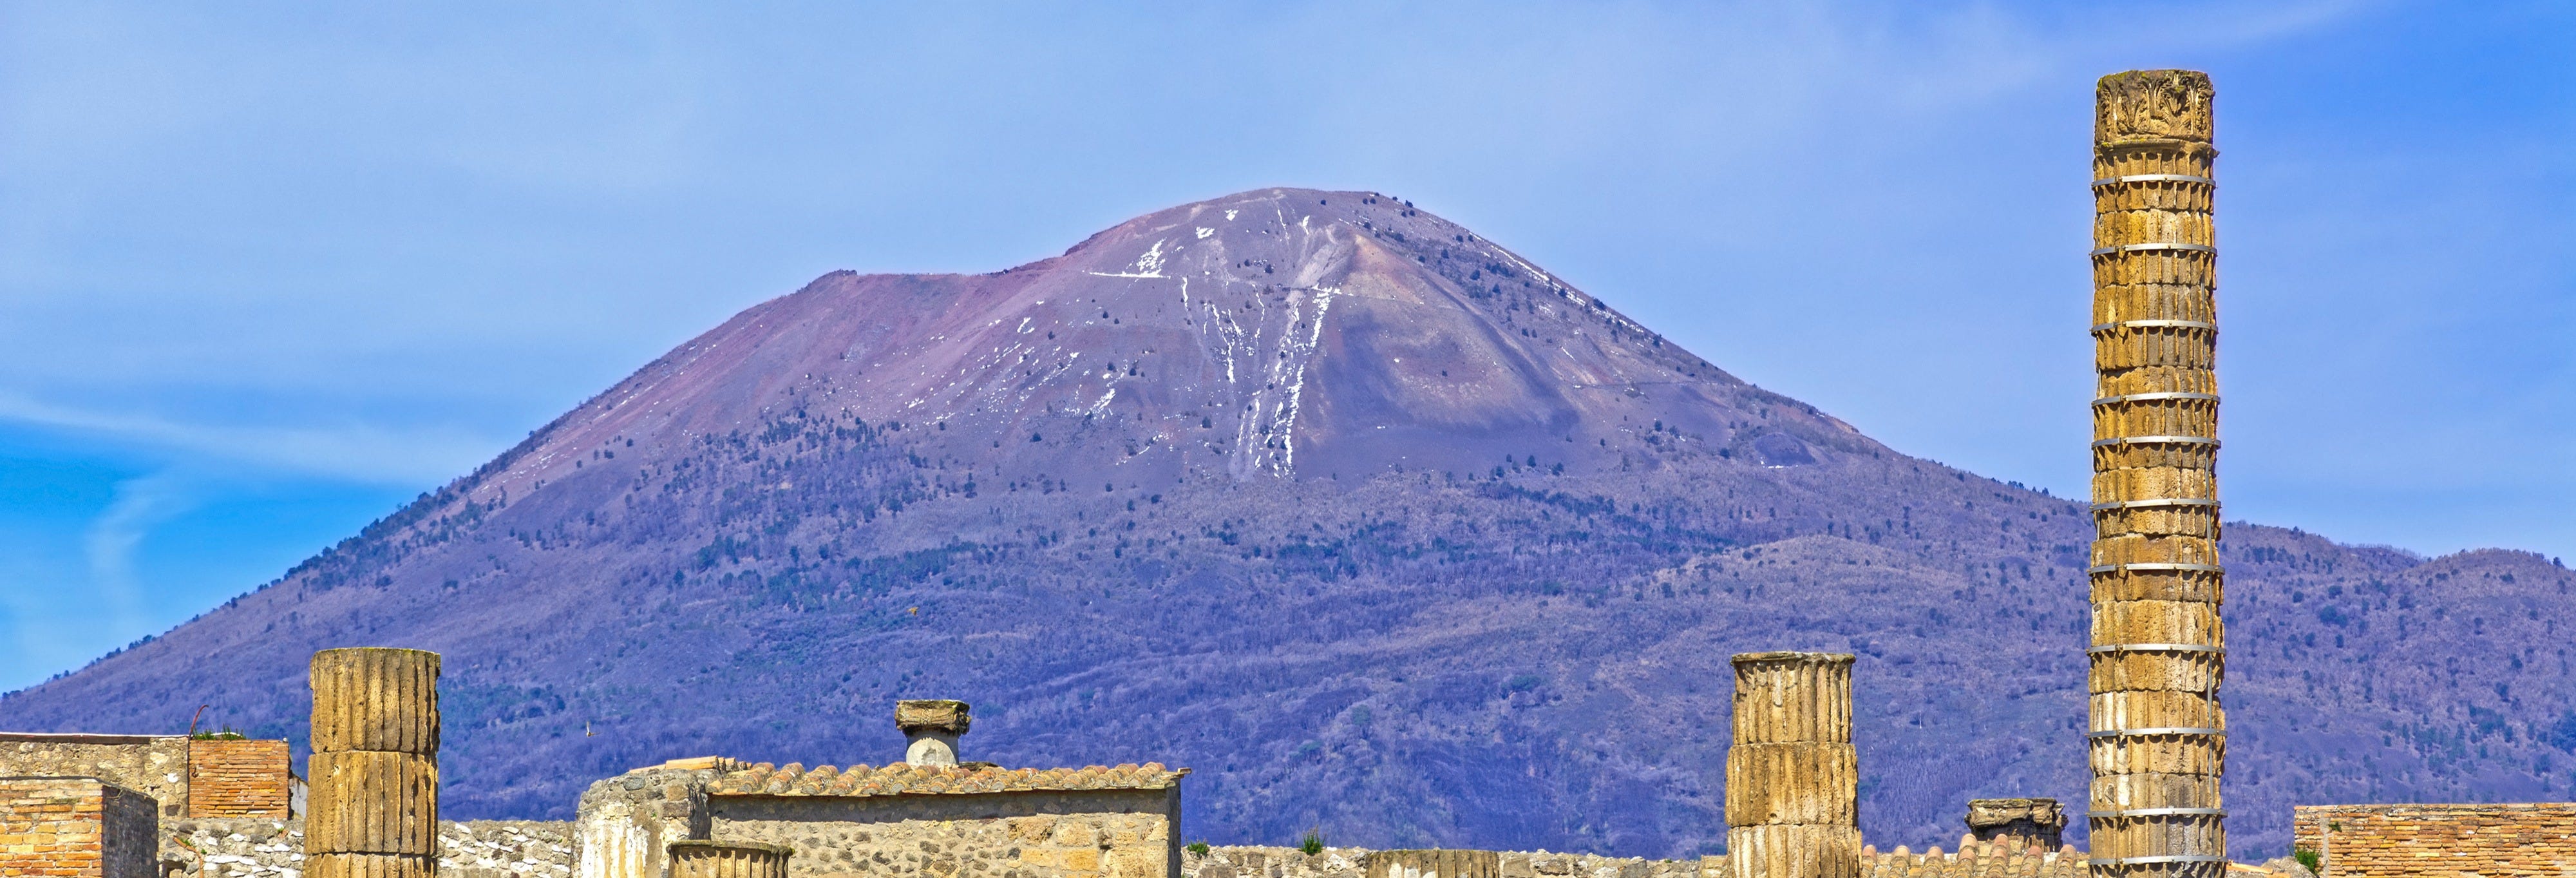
(728, 859)
(624, 825)
(1792, 777)
(2157, 739)
(374, 769)
(931, 728)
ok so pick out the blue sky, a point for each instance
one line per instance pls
(267, 270)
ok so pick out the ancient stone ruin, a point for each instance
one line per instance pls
(716, 859)
(2157, 739)
(111, 806)
(2018, 823)
(374, 765)
(930, 815)
(1792, 776)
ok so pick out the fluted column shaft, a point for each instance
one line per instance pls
(728, 859)
(2157, 738)
(374, 771)
(1792, 777)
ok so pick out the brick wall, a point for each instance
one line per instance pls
(238, 779)
(2491, 841)
(76, 827)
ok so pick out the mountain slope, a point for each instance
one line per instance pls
(1379, 527)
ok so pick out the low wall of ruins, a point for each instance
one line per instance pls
(75, 827)
(253, 848)
(1080, 834)
(1280, 862)
(2494, 841)
(269, 848)
(154, 765)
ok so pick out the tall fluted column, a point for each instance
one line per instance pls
(1792, 777)
(2157, 739)
(374, 785)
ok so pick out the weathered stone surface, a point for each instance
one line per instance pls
(2018, 824)
(626, 823)
(1792, 776)
(1435, 864)
(2156, 586)
(76, 827)
(154, 765)
(2152, 105)
(728, 859)
(1061, 834)
(1792, 697)
(373, 803)
(932, 715)
(272, 848)
(239, 778)
(2493, 841)
(370, 866)
(375, 699)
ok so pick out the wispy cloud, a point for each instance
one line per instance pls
(357, 453)
(115, 534)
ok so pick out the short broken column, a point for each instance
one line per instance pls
(374, 770)
(931, 727)
(728, 859)
(1792, 777)
(2018, 824)
(1435, 864)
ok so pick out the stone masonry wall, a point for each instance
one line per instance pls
(1277, 862)
(2493, 841)
(257, 848)
(59, 827)
(1075, 834)
(155, 766)
(238, 779)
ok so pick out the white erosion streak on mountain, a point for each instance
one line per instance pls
(1300, 356)
(1149, 265)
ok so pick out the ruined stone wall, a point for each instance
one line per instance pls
(1278, 862)
(1055, 834)
(270, 848)
(61, 827)
(627, 821)
(153, 765)
(2493, 841)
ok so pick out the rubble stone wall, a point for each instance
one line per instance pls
(1279, 862)
(270, 848)
(2494, 841)
(1068, 834)
(155, 766)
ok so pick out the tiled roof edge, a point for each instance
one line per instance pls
(901, 779)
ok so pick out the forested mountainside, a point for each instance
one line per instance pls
(1378, 527)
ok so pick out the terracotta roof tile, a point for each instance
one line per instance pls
(860, 781)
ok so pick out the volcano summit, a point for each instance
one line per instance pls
(1374, 524)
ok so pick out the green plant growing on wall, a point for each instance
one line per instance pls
(1313, 843)
(1197, 849)
(2316, 865)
